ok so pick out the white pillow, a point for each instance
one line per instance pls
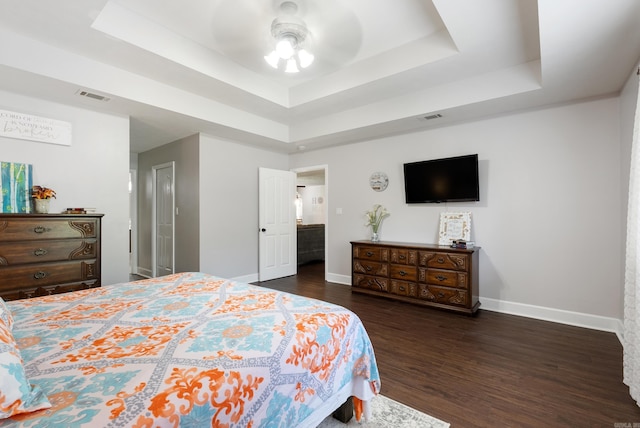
(17, 395)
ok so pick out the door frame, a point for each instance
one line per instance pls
(154, 255)
(324, 168)
(133, 221)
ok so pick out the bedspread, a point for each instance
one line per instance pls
(190, 349)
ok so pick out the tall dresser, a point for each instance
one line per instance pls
(429, 275)
(43, 254)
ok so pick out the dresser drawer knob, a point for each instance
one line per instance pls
(367, 268)
(401, 257)
(39, 229)
(440, 294)
(401, 288)
(441, 278)
(39, 275)
(39, 252)
(369, 254)
(440, 260)
(402, 273)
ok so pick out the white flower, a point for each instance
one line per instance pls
(375, 217)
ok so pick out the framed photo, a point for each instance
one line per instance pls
(454, 226)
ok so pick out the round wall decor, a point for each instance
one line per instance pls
(378, 181)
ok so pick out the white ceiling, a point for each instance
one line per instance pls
(178, 67)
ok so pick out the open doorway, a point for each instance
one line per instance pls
(312, 216)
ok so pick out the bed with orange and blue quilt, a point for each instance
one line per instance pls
(184, 350)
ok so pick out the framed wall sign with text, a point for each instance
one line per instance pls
(454, 226)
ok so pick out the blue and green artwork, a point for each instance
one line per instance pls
(15, 187)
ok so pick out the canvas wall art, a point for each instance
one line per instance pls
(15, 187)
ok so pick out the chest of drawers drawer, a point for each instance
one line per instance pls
(406, 273)
(13, 253)
(371, 253)
(442, 277)
(49, 228)
(370, 268)
(444, 260)
(47, 274)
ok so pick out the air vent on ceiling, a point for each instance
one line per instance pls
(433, 116)
(92, 95)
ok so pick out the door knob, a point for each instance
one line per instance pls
(263, 230)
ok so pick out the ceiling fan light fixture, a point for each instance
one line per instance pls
(305, 58)
(273, 59)
(291, 38)
(286, 46)
(292, 67)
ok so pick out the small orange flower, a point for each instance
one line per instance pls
(39, 192)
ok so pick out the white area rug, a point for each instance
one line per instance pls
(387, 413)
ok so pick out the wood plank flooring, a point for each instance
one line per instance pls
(491, 370)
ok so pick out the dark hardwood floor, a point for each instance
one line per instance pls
(491, 370)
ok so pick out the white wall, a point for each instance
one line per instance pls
(229, 206)
(550, 209)
(92, 172)
(313, 204)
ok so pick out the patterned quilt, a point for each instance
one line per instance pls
(190, 350)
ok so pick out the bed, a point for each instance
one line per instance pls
(188, 349)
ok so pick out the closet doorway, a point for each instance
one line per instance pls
(312, 202)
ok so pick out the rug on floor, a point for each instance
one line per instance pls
(388, 413)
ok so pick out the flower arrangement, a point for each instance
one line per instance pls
(375, 217)
(39, 192)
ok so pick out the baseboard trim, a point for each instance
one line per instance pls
(246, 278)
(339, 279)
(578, 319)
(144, 272)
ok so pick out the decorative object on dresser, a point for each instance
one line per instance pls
(425, 274)
(41, 197)
(43, 254)
(374, 219)
(454, 226)
(15, 187)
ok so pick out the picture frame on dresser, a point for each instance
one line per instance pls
(454, 226)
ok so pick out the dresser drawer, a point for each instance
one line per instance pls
(448, 278)
(403, 288)
(27, 293)
(456, 261)
(370, 268)
(378, 254)
(13, 253)
(20, 229)
(369, 282)
(48, 273)
(444, 295)
(404, 256)
(407, 273)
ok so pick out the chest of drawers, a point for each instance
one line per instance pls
(428, 275)
(43, 254)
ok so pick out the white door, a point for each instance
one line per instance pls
(278, 240)
(164, 219)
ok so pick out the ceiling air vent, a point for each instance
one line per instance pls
(92, 95)
(433, 116)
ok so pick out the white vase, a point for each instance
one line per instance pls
(41, 206)
(375, 237)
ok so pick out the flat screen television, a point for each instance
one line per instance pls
(442, 180)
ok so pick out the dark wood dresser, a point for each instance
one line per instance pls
(43, 254)
(429, 275)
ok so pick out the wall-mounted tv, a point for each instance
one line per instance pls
(442, 180)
